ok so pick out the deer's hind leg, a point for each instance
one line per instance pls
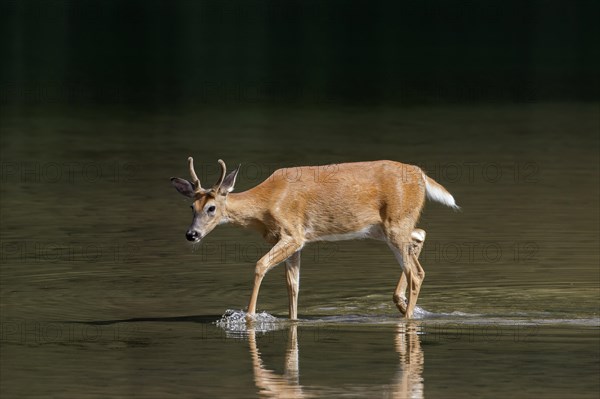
(417, 240)
(400, 294)
(407, 254)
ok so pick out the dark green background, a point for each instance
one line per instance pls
(177, 52)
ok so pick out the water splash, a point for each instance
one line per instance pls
(235, 322)
(420, 313)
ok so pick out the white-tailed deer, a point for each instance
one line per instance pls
(295, 206)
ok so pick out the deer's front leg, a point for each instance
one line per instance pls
(285, 248)
(292, 274)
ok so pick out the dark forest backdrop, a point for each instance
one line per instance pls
(175, 52)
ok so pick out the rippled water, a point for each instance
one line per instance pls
(103, 297)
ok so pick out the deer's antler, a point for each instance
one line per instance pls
(195, 180)
(223, 172)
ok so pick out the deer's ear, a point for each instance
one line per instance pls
(229, 182)
(183, 186)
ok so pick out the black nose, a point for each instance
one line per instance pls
(191, 235)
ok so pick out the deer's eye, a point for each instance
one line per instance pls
(210, 210)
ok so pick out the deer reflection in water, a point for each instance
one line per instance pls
(271, 384)
(408, 382)
(409, 379)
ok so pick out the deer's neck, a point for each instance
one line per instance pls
(246, 209)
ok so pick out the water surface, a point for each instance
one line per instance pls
(102, 296)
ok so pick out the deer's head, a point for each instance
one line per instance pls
(208, 204)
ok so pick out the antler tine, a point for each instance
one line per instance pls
(195, 180)
(223, 172)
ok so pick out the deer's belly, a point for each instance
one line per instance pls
(373, 231)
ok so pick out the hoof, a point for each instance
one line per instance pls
(401, 304)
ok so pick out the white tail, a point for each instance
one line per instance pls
(436, 192)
